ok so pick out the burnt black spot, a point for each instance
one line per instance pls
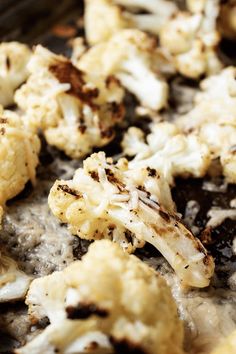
(83, 311)
(151, 172)
(164, 215)
(125, 346)
(94, 175)
(68, 190)
(8, 63)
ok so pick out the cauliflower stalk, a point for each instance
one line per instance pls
(130, 206)
(103, 18)
(14, 57)
(192, 37)
(132, 57)
(19, 148)
(74, 111)
(99, 305)
(213, 118)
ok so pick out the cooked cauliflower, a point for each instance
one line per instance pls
(192, 37)
(129, 206)
(132, 57)
(100, 304)
(167, 150)
(13, 282)
(213, 118)
(75, 112)
(103, 18)
(14, 57)
(227, 346)
(19, 150)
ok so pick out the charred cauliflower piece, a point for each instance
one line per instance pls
(192, 37)
(130, 207)
(14, 57)
(13, 282)
(99, 305)
(132, 57)
(213, 118)
(103, 18)
(167, 150)
(75, 112)
(19, 150)
(228, 345)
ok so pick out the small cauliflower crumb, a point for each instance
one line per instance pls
(75, 112)
(14, 58)
(100, 304)
(18, 155)
(133, 58)
(130, 206)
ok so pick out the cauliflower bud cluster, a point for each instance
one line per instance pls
(19, 148)
(99, 305)
(130, 206)
(76, 112)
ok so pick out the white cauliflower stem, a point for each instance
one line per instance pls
(129, 206)
(14, 57)
(19, 150)
(103, 18)
(132, 57)
(99, 305)
(76, 113)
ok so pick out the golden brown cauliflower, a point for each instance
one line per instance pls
(227, 19)
(227, 346)
(76, 113)
(192, 37)
(103, 18)
(19, 149)
(133, 58)
(14, 57)
(108, 302)
(130, 206)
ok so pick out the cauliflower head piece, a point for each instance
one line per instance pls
(213, 118)
(13, 282)
(19, 148)
(132, 57)
(14, 57)
(103, 299)
(74, 111)
(103, 18)
(192, 38)
(129, 206)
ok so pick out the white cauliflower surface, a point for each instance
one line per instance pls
(103, 18)
(192, 37)
(133, 58)
(19, 148)
(99, 305)
(213, 118)
(129, 206)
(227, 346)
(76, 113)
(14, 57)
(13, 282)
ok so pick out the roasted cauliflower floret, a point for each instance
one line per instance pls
(213, 118)
(227, 346)
(103, 18)
(132, 57)
(167, 150)
(14, 57)
(19, 149)
(130, 207)
(13, 282)
(191, 37)
(103, 299)
(75, 112)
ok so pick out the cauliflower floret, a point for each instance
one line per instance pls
(103, 299)
(14, 57)
(129, 206)
(75, 112)
(103, 18)
(19, 150)
(13, 282)
(228, 345)
(191, 37)
(167, 150)
(213, 118)
(132, 57)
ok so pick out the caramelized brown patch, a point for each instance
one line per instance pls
(69, 190)
(94, 175)
(151, 172)
(2, 131)
(83, 311)
(3, 120)
(125, 346)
